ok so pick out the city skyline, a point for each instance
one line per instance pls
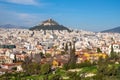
(92, 15)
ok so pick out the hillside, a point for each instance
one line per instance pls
(113, 30)
(49, 25)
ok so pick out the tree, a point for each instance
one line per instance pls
(98, 50)
(66, 48)
(112, 51)
(107, 71)
(31, 68)
(25, 65)
(45, 77)
(45, 68)
(41, 54)
(37, 58)
(84, 64)
(15, 59)
(74, 76)
(47, 55)
(62, 52)
(65, 66)
(56, 77)
(113, 55)
(72, 61)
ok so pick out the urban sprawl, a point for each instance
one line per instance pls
(54, 46)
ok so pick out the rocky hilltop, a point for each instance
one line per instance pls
(49, 24)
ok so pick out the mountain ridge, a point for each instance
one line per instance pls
(113, 30)
(10, 26)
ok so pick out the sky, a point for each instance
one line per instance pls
(92, 15)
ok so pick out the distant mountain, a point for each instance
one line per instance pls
(113, 30)
(49, 25)
(9, 26)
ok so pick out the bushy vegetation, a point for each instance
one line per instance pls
(104, 69)
(47, 27)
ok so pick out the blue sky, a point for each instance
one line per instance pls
(93, 15)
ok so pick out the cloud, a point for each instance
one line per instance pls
(24, 2)
(27, 18)
(22, 19)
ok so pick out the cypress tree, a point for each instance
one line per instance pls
(66, 48)
(112, 51)
(72, 62)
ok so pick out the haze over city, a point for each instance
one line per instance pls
(92, 15)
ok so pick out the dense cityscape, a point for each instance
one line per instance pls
(58, 54)
(59, 39)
